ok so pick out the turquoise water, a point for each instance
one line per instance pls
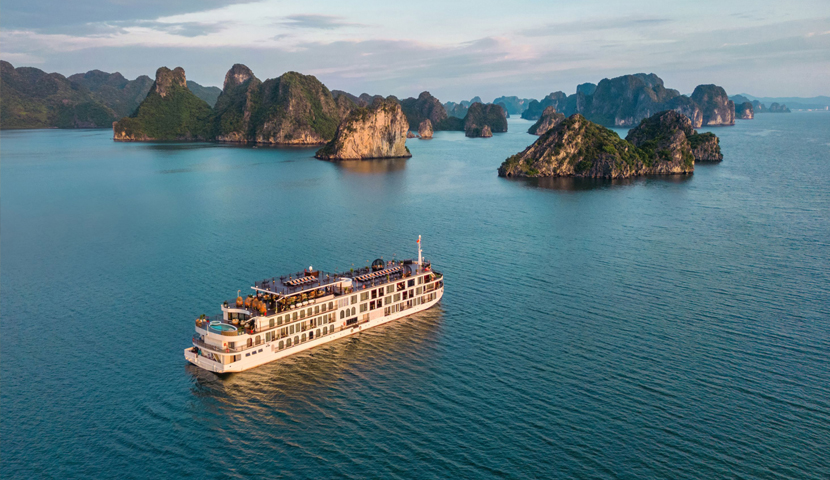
(221, 327)
(652, 328)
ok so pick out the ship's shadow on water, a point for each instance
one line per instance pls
(406, 343)
(573, 184)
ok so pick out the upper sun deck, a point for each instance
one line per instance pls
(317, 283)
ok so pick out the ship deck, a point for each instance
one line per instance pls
(301, 282)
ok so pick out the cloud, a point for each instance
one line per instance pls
(594, 24)
(321, 22)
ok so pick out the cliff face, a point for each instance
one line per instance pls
(778, 108)
(580, 148)
(425, 129)
(378, 131)
(624, 101)
(549, 119)
(32, 98)
(236, 106)
(169, 112)
(295, 109)
(686, 106)
(664, 144)
(480, 115)
(744, 111)
(425, 107)
(715, 105)
(705, 147)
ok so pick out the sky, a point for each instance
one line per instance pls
(454, 49)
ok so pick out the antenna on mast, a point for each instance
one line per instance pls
(419, 251)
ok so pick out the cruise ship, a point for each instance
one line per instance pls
(286, 315)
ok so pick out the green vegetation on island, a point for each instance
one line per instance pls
(659, 145)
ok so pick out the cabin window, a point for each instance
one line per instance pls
(267, 336)
(420, 280)
(296, 340)
(279, 320)
(288, 343)
(374, 294)
(363, 307)
(325, 330)
(419, 290)
(397, 297)
(372, 306)
(317, 309)
(295, 315)
(410, 283)
(354, 299)
(271, 323)
(342, 314)
(318, 332)
(291, 329)
(364, 296)
(331, 305)
(303, 337)
(388, 300)
(308, 312)
(351, 321)
(324, 308)
(302, 313)
(247, 354)
(353, 311)
(258, 339)
(250, 342)
(390, 289)
(311, 335)
(282, 344)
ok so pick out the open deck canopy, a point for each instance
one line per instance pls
(370, 276)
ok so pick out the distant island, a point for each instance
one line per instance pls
(32, 98)
(758, 107)
(663, 144)
(293, 109)
(375, 131)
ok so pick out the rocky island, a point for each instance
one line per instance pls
(577, 147)
(32, 98)
(483, 120)
(705, 147)
(377, 131)
(715, 106)
(744, 111)
(626, 100)
(169, 112)
(425, 130)
(549, 119)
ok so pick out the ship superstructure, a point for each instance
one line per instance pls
(288, 314)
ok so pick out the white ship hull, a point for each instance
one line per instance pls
(269, 351)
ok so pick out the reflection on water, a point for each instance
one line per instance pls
(384, 165)
(576, 184)
(403, 343)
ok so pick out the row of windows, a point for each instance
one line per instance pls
(300, 338)
(304, 337)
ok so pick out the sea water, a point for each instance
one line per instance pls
(674, 327)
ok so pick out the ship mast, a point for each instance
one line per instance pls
(419, 251)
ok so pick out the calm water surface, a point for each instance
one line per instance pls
(654, 328)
